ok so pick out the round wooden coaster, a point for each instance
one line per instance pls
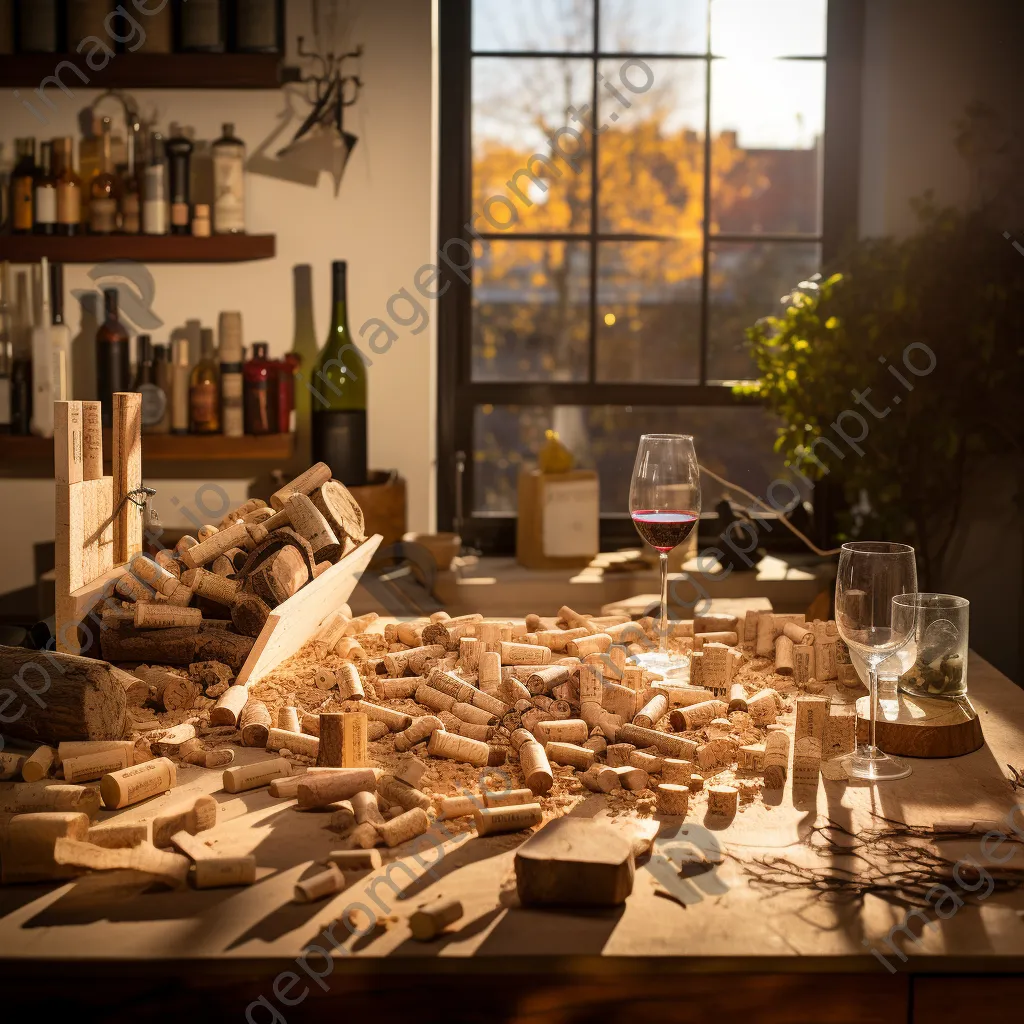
(913, 726)
(341, 510)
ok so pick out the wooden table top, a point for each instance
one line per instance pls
(725, 925)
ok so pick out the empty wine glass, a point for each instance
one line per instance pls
(664, 503)
(871, 574)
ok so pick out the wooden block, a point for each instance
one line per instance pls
(672, 798)
(92, 440)
(723, 800)
(67, 442)
(840, 736)
(808, 738)
(127, 474)
(574, 862)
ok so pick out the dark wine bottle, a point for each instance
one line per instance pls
(259, 26)
(113, 361)
(338, 387)
(179, 156)
(154, 398)
(202, 27)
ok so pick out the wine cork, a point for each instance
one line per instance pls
(184, 544)
(316, 887)
(397, 663)
(470, 650)
(309, 522)
(764, 644)
(672, 798)
(229, 706)
(737, 697)
(197, 816)
(252, 776)
(206, 531)
(568, 730)
(343, 740)
(599, 778)
(349, 683)
(536, 768)
(763, 707)
(723, 800)
(458, 748)
(321, 789)
(493, 820)
(118, 837)
(803, 664)
(365, 807)
(784, 656)
(27, 845)
(129, 587)
(211, 758)
(429, 919)
(305, 483)
(38, 797)
(665, 743)
(750, 757)
(418, 732)
(406, 826)
(676, 771)
(161, 616)
(799, 635)
(840, 736)
(38, 764)
(254, 723)
(508, 797)
(617, 754)
(166, 560)
(523, 654)
(472, 714)
(460, 806)
(451, 685)
(288, 718)
(153, 574)
(697, 716)
(395, 791)
(362, 837)
(396, 721)
(295, 742)
(489, 671)
(715, 622)
(597, 643)
(650, 763)
(355, 860)
(652, 712)
(580, 758)
(237, 536)
(139, 782)
(219, 872)
(730, 639)
(232, 517)
(88, 767)
(808, 738)
(92, 441)
(212, 586)
(11, 765)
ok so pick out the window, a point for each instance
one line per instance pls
(640, 181)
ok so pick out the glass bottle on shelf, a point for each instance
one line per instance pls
(131, 194)
(6, 349)
(60, 337)
(260, 392)
(204, 388)
(69, 188)
(228, 183)
(105, 191)
(154, 191)
(21, 357)
(45, 214)
(159, 30)
(154, 399)
(86, 18)
(202, 26)
(179, 152)
(113, 360)
(286, 393)
(23, 187)
(162, 377)
(231, 354)
(338, 385)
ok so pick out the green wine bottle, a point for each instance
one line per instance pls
(338, 389)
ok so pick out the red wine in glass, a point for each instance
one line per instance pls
(664, 529)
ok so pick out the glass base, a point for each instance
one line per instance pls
(671, 666)
(872, 764)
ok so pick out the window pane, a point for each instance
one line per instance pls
(518, 104)
(533, 25)
(735, 442)
(530, 318)
(767, 120)
(654, 26)
(768, 28)
(648, 311)
(651, 153)
(748, 280)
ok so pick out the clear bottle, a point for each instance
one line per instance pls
(204, 388)
(131, 194)
(179, 385)
(154, 190)
(338, 386)
(45, 215)
(105, 191)
(154, 398)
(69, 188)
(162, 377)
(23, 187)
(228, 183)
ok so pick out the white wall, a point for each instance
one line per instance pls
(382, 222)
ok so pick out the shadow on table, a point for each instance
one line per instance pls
(413, 947)
(551, 932)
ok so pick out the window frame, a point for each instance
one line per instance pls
(458, 394)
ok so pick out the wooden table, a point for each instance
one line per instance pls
(99, 948)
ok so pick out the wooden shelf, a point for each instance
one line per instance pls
(141, 248)
(145, 71)
(32, 457)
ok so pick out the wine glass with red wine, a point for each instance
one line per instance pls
(664, 502)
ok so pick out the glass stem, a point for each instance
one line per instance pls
(873, 697)
(663, 630)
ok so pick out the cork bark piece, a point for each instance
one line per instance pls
(341, 510)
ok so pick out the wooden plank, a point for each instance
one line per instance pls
(127, 473)
(294, 621)
(74, 609)
(953, 1000)
(143, 248)
(92, 440)
(67, 442)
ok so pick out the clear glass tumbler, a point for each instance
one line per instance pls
(936, 657)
